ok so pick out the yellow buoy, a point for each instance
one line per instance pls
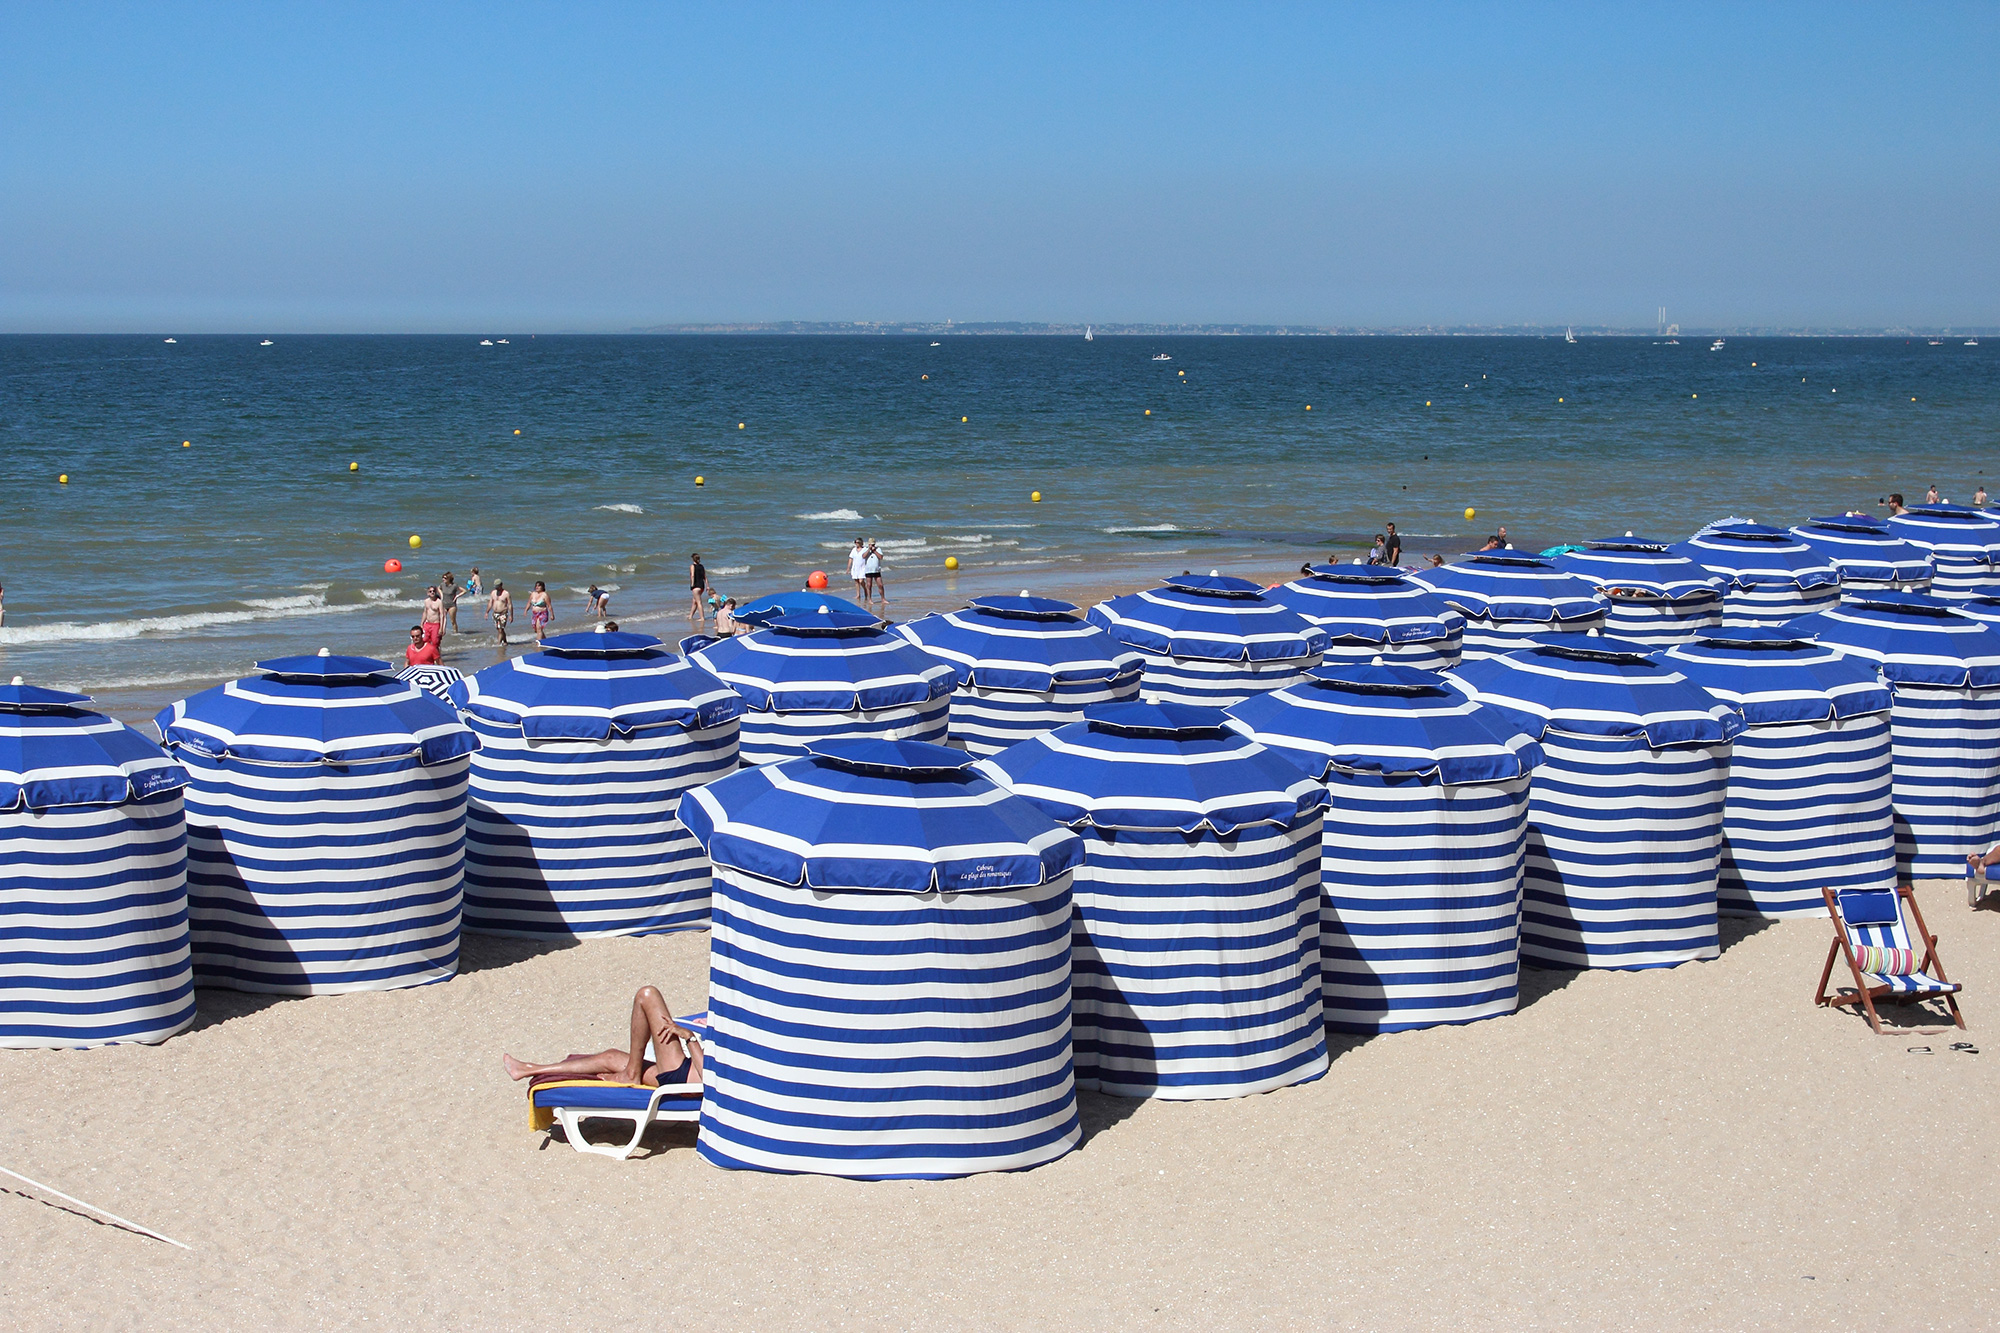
(354, 467)
(415, 541)
(701, 481)
(517, 432)
(1427, 402)
(63, 479)
(1035, 496)
(1309, 407)
(1694, 395)
(1471, 513)
(964, 419)
(1183, 374)
(1149, 411)
(951, 562)
(739, 425)
(1559, 400)
(187, 444)
(927, 377)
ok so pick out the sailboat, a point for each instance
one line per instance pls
(1087, 334)
(1969, 342)
(1569, 335)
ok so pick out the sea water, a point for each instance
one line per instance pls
(574, 460)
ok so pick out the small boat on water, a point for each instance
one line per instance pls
(1937, 342)
(485, 342)
(1969, 342)
(173, 340)
(1161, 356)
(266, 343)
(1569, 335)
(937, 344)
(502, 341)
(1087, 334)
(1715, 346)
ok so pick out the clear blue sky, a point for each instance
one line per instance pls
(291, 167)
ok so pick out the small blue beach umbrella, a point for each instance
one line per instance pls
(1944, 669)
(1024, 665)
(1426, 829)
(1653, 596)
(436, 679)
(326, 827)
(1625, 812)
(828, 674)
(1809, 777)
(1368, 611)
(1869, 557)
(585, 749)
(1963, 545)
(1211, 640)
(889, 975)
(1197, 905)
(1511, 599)
(762, 611)
(1769, 576)
(93, 878)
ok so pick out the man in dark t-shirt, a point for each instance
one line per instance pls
(1392, 549)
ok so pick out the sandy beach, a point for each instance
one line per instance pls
(1697, 1147)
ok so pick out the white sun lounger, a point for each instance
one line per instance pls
(571, 1101)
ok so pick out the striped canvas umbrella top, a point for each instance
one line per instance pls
(1754, 555)
(1861, 546)
(827, 661)
(595, 686)
(1370, 604)
(761, 611)
(1144, 766)
(317, 710)
(1774, 677)
(1512, 585)
(1387, 720)
(1641, 565)
(1984, 609)
(1594, 686)
(1913, 638)
(1022, 643)
(1955, 533)
(437, 679)
(1213, 618)
(56, 753)
(898, 816)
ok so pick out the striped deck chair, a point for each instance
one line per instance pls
(554, 1100)
(1869, 931)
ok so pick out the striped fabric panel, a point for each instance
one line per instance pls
(1895, 939)
(93, 925)
(315, 879)
(1420, 902)
(1429, 655)
(1767, 605)
(579, 839)
(1197, 962)
(1212, 684)
(887, 1036)
(987, 721)
(768, 736)
(1807, 808)
(1487, 637)
(1947, 777)
(1957, 579)
(1624, 843)
(1660, 623)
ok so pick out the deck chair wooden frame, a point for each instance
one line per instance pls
(1866, 995)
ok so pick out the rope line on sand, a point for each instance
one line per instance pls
(123, 1222)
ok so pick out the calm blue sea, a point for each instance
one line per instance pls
(572, 459)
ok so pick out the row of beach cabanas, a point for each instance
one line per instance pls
(1181, 836)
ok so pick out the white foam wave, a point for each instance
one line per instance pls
(971, 537)
(381, 594)
(730, 569)
(285, 603)
(1151, 527)
(315, 587)
(69, 631)
(622, 509)
(830, 516)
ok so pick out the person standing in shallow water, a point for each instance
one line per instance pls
(501, 607)
(697, 589)
(451, 590)
(872, 566)
(540, 609)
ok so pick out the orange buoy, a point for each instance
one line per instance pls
(392, 566)
(816, 580)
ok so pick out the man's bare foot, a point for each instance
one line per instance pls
(515, 1069)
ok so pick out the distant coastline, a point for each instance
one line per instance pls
(1032, 329)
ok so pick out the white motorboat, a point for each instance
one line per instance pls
(485, 342)
(1162, 356)
(266, 343)
(173, 340)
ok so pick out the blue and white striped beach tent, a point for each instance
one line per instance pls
(1369, 611)
(1868, 556)
(827, 674)
(1945, 728)
(1211, 641)
(326, 827)
(1426, 827)
(1963, 545)
(1024, 665)
(1769, 576)
(1197, 905)
(585, 748)
(889, 975)
(1809, 777)
(1625, 812)
(1511, 599)
(93, 878)
(1653, 596)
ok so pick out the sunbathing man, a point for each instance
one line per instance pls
(650, 1019)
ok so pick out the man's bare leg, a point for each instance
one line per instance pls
(604, 1062)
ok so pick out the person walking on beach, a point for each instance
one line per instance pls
(540, 609)
(421, 652)
(697, 589)
(433, 616)
(676, 1051)
(872, 567)
(1375, 556)
(501, 607)
(857, 569)
(452, 591)
(1392, 549)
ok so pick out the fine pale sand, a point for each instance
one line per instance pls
(1697, 1147)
